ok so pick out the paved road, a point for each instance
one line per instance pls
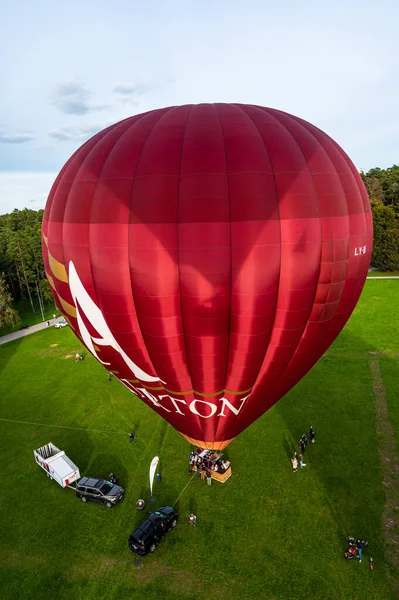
(19, 334)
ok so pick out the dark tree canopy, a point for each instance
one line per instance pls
(383, 188)
(8, 316)
(21, 255)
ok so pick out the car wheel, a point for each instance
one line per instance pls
(173, 523)
(83, 498)
(152, 547)
(108, 504)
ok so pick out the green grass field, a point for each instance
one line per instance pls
(267, 534)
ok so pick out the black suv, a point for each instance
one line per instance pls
(99, 490)
(148, 535)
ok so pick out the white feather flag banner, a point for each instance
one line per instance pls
(153, 468)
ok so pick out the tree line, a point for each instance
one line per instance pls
(21, 266)
(383, 189)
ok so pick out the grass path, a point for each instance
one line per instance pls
(389, 465)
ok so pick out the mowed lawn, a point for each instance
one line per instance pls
(266, 534)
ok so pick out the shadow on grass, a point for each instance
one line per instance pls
(7, 351)
(76, 444)
(337, 398)
(290, 447)
(104, 464)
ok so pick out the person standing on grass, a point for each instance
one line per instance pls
(301, 463)
(312, 434)
(305, 439)
(359, 547)
(294, 461)
(302, 445)
(208, 478)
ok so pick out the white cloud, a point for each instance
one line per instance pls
(15, 138)
(128, 89)
(74, 98)
(62, 135)
(79, 134)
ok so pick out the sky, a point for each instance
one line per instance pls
(69, 69)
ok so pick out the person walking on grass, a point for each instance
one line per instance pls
(302, 445)
(312, 434)
(301, 463)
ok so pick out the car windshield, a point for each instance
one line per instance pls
(105, 487)
(161, 514)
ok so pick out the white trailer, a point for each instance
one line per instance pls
(56, 464)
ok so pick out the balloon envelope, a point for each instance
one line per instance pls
(208, 255)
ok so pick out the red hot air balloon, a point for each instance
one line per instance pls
(208, 255)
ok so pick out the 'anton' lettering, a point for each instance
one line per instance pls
(202, 408)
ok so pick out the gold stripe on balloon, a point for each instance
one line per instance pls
(51, 281)
(57, 268)
(68, 308)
